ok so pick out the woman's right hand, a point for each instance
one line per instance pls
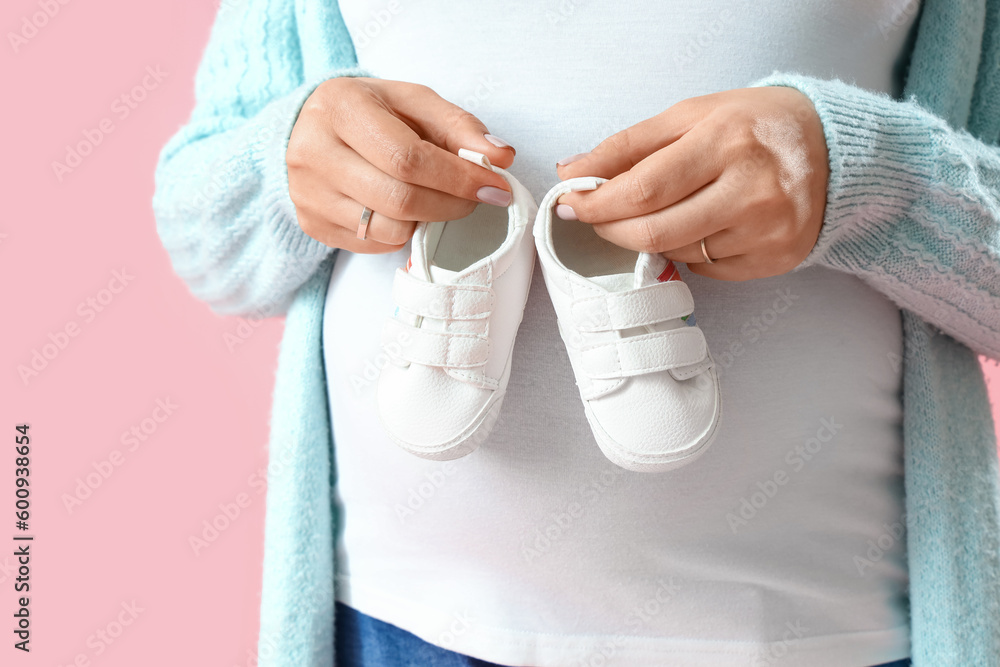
(391, 146)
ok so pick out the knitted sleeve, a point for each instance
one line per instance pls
(913, 208)
(221, 201)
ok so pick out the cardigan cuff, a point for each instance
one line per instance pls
(881, 160)
(268, 147)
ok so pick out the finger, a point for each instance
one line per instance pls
(354, 244)
(338, 236)
(321, 205)
(706, 212)
(660, 180)
(346, 212)
(445, 124)
(391, 145)
(721, 244)
(625, 149)
(363, 182)
(736, 268)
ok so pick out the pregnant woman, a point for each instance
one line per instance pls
(826, 176)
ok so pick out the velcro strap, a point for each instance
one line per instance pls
(434, 348)
(440, 301)
(635, 308)
(648, 353)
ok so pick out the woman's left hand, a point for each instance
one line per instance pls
(744, 169)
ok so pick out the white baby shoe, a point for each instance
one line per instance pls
(648, 383)
(459, 304)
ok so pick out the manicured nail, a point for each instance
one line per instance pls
(566, 212)
(496, 141)
(491, 195)
(572, 158)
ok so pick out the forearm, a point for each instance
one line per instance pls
(912, 208)
(222, 205)
(224, 213)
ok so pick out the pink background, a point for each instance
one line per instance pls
(128, 542)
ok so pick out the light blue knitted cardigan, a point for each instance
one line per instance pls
(913, 210)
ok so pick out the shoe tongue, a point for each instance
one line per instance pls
(420, 265)
(417, 264)
(649, 270)
(418, 268)
(616, 282)
(439, 275)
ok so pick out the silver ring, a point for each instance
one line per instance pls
(705, 253)
(366, 215)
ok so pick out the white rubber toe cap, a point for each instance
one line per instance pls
(458, 411)
(678, 421)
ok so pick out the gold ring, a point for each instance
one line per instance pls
(705, 253)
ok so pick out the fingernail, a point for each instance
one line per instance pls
(491, 195)
(496, 141)
(572, 158)
(566, 212)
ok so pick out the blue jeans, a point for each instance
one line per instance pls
(363, 641)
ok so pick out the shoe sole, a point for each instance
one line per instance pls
(628, 460)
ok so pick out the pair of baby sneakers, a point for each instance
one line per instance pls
(648, 382)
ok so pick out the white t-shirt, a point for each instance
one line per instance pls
(783, 544)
